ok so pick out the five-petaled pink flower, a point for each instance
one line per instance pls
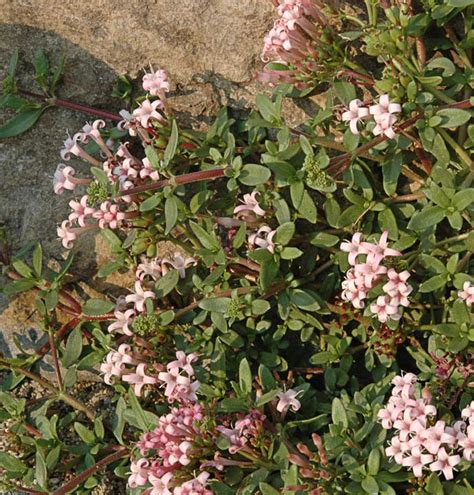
(80, 210)
(148, 111)
(139, 379)
(250, 204)
(139, 297)
(445, 463)
(355, 114)
(156, 82)
(467, 293)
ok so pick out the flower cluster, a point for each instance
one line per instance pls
(177, 376)
(421, 442)
(170, 447)
(292, 37)
(382, 113)
(363, 277)
(246, 432)
(120, 168)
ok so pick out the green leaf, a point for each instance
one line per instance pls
(391, 169)
(171, 213)
(462, 199)
(433, 283)
(118, 420)
(12, 64)
(373, 462)
(284, 233)
(18, 286)
(73, 349)
(253, 174)
(97, 307)
(338, 413)
(460, 3)
(439, 149)
(429, 216)
(442, 63)
(350, 140)
(153, 157)
(217, 304)
(345, 91)
(41, 471)
(265, 398)
(307, 208)
(369, 484)
(433, 485)
(84, 433)
(350, 216)
(290, 253)
(166, 284)
(41, 68)
(206, 239)
(21, 122)
(12, 464)
(138, 412)
(172, 145)
(453, 117)
(38, 259)
(387, 221)
(22, 268)
(267, 489)
(151, 203)
(245, 376)
(267, 109)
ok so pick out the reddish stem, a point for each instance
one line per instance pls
(70, 485)
(60, 334)
(180, 179)
(85, 109)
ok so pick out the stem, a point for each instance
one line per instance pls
(60, 334)
(180, 179)
(409, 197)
(54, 354)
(69, 399)
(70, 485)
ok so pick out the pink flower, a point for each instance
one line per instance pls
(404, 426)
(385, 418)
(178, 387)
(184, 362)
(355, 114)
(151, 268)
(468, 412)
(80, 210)
(139, 379)
(467, 294)
(67, 234)
(139, 297)
(403, 385)
(381, 250)
(156, 83)
(416, 460)
(355, 247)
(64, 179)
(111, 367)
(140, 472)
(385, 107)
(384, 311)
(288, 400)
(178, 263)
(148, 170)
(467, 443)
(108, 215)
(433, 436)
(148, 111)
(263, 238)
(384, 125)
(250, 203)
(234, 435)
(397, 449)
(445, 463)
(160, 484)
(196, 486)
(123, 320)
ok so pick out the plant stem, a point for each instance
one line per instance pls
(180, 179)
(69, 399)
(54, 354)
(70, 485)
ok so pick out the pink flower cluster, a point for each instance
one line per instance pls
(467, 293)
(382, 113)
(362, 277)
(120, 166)
(250, 211)
(245, 431)
(156, 83)
(157, 267)
(178, 379)
(290, 41)
(172, 448)
(421, 442)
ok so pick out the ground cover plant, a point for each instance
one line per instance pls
(311, 329)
